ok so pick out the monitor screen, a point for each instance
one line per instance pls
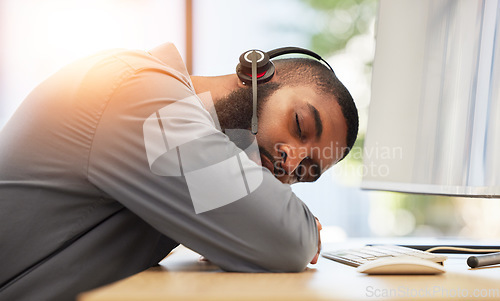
(434, 117)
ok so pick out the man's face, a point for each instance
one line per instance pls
(301, 133)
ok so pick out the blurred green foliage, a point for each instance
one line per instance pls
(339, 21)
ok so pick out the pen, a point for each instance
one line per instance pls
(483, 260)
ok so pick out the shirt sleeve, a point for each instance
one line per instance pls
(157, 151)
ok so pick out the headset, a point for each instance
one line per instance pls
(256, 67)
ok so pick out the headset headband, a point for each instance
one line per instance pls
(265, 67)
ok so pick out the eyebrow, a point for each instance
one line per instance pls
(317, 120)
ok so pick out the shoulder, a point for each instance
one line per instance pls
(164, 58)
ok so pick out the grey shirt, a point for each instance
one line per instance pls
(105, 167)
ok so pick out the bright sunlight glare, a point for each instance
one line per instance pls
(40, 37)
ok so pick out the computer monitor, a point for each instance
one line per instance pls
(434, 117)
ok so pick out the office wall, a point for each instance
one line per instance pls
(223, 29)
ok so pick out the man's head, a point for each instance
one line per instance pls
(307, 119)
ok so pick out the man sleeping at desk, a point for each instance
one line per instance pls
(119, 157)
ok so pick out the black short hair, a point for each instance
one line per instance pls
(300, 71)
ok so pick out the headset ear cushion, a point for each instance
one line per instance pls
(268, 75)
(246, 78)
(265, 68)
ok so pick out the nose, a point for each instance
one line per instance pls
(291, 157)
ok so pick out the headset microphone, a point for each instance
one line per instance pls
(256, 67)
(254, 93)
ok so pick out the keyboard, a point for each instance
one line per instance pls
(358, 256)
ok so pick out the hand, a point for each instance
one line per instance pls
(315, 259)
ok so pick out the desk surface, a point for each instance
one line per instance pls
(181, 276)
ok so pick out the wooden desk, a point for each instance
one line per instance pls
(182, 277)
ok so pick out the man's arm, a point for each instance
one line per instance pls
(268, 229)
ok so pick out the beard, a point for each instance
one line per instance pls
(235, 110)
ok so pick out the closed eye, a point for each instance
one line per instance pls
(299, 130)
